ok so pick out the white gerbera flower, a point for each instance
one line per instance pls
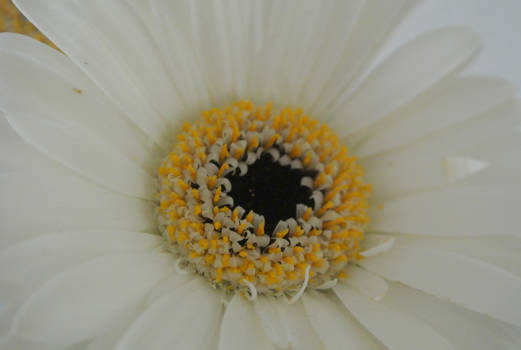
(159, 193)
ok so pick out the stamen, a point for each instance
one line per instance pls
(297, 296)
(253, 291)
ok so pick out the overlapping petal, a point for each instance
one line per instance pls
(475, 284)
(88, 299)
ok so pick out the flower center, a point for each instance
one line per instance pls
(271, 189)
(262, 201)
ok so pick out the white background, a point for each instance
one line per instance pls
(497, 22)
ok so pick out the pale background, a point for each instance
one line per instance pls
(498, 22)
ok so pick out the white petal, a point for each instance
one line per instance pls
(84, 153)
(240, 28)
(458, 168)
(9, 341)
(212, 41)
(176, 40)
(301, 40)
(502, 251)
(330, 35)
(424, 164)
(8, 238)
(336, 328)
(88, 299)
(186, 317)
(298, 329)
(465, 329)
(317, 45)
(146, 13)
(286, 325)
(27, 264)
(272, 48)
(472, 283)
(109, 42)
(504, 162)
(240, 327)
(109, 339)
(53, 200)
(425, 60)
(39, 81)
(259, 24)
(449, 103)
(375, 244)
(174, 281)
(365, 282)
(503, 151)
(503, 176)
(396, 330)
(334, 80)
(458, 211)
(15, 153)
(267, 310)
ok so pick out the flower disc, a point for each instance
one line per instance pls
(262, 201)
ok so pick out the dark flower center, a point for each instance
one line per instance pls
(271, 189)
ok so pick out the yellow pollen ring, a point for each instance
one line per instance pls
(229, 245)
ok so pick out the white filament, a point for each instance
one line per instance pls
(297, 296)
(253, 291)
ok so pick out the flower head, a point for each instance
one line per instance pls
(261, 199)
(231, 175)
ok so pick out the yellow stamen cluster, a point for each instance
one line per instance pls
(228, 245)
